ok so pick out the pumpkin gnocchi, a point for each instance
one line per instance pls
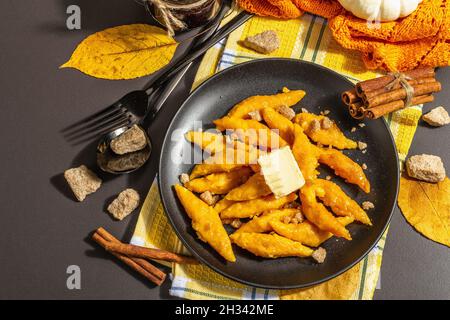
(295, 225)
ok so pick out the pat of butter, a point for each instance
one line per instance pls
(281, 172)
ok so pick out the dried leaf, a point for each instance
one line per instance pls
(339, 288)
(426, 206)
(123, 52)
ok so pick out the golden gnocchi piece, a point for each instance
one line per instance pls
(251, 132)
(340, 203)
(270, 245)
(228, 160)
(305, 153)
(345, 167)
(321, 129)
(286, 98)
(262, 223)
(306, 232)
(276, 121)
(223, 204)
(203, 169)
(207, 141)
(206, 222)
(219, 183)
(254, 188)
(250, 208)
(317, 214)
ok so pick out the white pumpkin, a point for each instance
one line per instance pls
(380, 10)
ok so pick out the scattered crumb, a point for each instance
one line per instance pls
(319, 255)
(362, 145)
(353, 129)
(361, 125)
(287, 219)
(82, 181)
(132, 140)
(286, 112)
(328, 178)
(364, 151)
(304, 110)
(364, 166)
(299, 217)
(326, 123)
(236, 223)
(255, 115)
(319, 145)
(125, 203)
(437, 117)
(367, 205)
(209, 198)
(426, 167)
(184, 178)
(264, 42)
(326, 112)
(294, 221)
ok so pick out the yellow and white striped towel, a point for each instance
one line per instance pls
(306, 38)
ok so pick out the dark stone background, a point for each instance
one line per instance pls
(43, 230)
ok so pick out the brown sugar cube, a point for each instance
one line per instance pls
(236, 223)
(426, 167)
(299, 216)
(255, 115)
(128, 161)
(286, 112)
(133, 139)
(184, 178)
(319, 255)
(326, 123)
(265, 42)
(362, 145)
(315, 126)
(125, 203)
(82, 181)
(437, 117)
(367, 205)
(209, 198)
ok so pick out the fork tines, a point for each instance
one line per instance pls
(107, 119)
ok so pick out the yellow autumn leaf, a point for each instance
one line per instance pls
(124, 52)
(340, 288)
(426, 206)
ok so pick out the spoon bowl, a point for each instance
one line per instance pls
(113, 163)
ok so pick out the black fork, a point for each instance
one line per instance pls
(135, 106)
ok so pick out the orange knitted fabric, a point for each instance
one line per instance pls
(288, 9)
(422, 23)
(274, 8)
(323, 8)
(421, 39)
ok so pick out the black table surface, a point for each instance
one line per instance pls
(43, 230)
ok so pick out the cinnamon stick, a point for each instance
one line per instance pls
(349, 97)
(142, 252)
(381, 110)
(143, 267)
(354, 110)
(370, 94)
(382, 82)
(400, 94)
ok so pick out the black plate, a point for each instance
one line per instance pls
(213, 99)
